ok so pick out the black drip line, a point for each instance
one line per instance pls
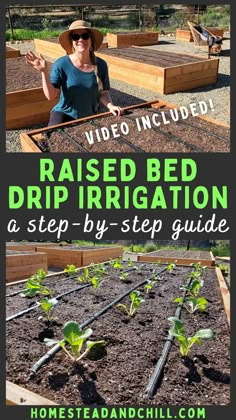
(173, 137)
(44, 359)
(194, 126)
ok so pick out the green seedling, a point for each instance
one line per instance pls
(136, 302)
(124, 276)
(99, 269)
(186, 343)
(170, 267)
(39, 276)
(76, 338)
(224, 269)
(85, 277)
(149, 286)
(47, 306)
(35, 288)
(193, 304)
(130, 263)
(194, 287)
(199, 268)
(96, 281)
(70, 269)
(116, 263)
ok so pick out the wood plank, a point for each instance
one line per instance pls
(177, 261)
(119, 40)
(27, 145)
(28, 95)
(224, 292)
(190, 85)
(12, 52)
(16, 395)
(180, 69)
(138, 78)
(188, 77)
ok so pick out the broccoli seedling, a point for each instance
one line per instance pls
(149, 286)
(124, 276)
(76, 338)
(186, 343)
(34, 288)
(170, 267)
(193, 304)
(39, 276)
(194, 287)
(130, 262)
(136, 302)
(70, 269)
(116, 263)
(98, 269)
(199, 268)
(85, 277)
(47, 306)
(96, 281)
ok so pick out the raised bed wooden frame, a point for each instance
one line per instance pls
(32, 246)
(126, 39)
(186, 36)
(163, 79)
(29, 139)
(12, 52)
(53, 49)
(149, 257)
(59, 257)
(21, 265)
(27, 107)
(17, 395)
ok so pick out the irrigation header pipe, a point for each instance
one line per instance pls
(44, 359)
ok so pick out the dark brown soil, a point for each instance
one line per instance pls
(198, 255)
(120, 373)
(153, 57)
(193, 135)
(21, 76)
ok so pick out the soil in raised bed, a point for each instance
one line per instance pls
(198, 255)
(59, 284)
(120, 373)
(195, 136)
(21, 76)
(156, 58)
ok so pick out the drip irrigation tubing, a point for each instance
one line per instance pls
(152, 385)
(121, 139)
(25, 311)
(193, 126)
(172, 137)
(73, 141)
(44, 359)
(64, 278)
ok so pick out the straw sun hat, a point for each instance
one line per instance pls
(65, 39)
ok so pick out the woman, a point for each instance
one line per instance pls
(80, 78)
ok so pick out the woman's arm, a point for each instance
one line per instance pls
(106, 100)
(40, 64)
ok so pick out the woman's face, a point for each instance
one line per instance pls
(81, 44)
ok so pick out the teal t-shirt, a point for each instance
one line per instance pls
(79, 96)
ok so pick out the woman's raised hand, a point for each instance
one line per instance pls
(39, 63)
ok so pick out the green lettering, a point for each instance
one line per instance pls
(46, 170)
(15, 197)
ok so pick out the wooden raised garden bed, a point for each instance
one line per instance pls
(119, 373)
(186, 35)
(126, 39)
(61, 256)
(52, 49)
(179, 256)
(26, 103)
(160, 71)
(197, 134)
(22, 264)
(12, 52)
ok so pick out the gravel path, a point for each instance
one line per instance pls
(124, 94)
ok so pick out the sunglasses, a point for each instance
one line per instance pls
(85, 36)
